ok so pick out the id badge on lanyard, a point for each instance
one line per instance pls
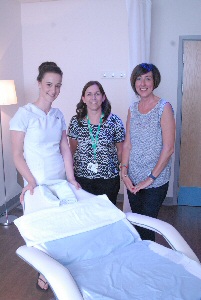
(93, 167)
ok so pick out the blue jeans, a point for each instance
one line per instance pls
(147, 202)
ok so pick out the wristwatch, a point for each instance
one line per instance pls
(152, 176)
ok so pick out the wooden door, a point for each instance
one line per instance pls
(190, 149)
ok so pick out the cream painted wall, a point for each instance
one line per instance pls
(84, 38)
(10, 68)
(171, 19)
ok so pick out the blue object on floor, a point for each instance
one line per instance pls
(190, 196)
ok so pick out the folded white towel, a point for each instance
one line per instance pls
(60, 191)
(49, 195)
(67, 220)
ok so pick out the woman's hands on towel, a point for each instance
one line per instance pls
(75, 183)
(29, 187)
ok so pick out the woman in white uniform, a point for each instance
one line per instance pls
(39, 143)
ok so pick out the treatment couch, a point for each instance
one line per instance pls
(90, 250)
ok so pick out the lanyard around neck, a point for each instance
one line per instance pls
(94, 141)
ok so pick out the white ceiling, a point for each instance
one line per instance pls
(29, 1)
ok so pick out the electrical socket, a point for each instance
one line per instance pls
(113, 75)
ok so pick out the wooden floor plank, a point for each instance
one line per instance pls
(17, 278)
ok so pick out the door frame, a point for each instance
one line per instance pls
(182, 39)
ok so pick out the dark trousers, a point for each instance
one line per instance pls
(100, 186)
(147, 202)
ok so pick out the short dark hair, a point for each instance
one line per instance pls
(48, 67)
(81, 108)
(143, 69)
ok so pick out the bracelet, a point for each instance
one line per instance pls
(152, 176)
(124, 166)
(125, 175)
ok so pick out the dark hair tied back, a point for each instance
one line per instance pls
(48, 67)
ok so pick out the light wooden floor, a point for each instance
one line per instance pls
(17, 278)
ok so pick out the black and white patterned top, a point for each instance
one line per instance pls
(111, 132)
(147, 143)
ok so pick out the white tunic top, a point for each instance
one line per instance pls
(42, 141)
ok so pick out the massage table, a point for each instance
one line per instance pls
(91, 250)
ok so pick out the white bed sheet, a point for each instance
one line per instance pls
(134, 272)
(111, 263)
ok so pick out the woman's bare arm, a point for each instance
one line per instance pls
(68, 160)
(73, 145)
(125, 157)
(17, 141)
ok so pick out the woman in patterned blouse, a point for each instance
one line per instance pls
(96, 137)
(149, 144)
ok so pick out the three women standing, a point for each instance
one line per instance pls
(96, 139)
